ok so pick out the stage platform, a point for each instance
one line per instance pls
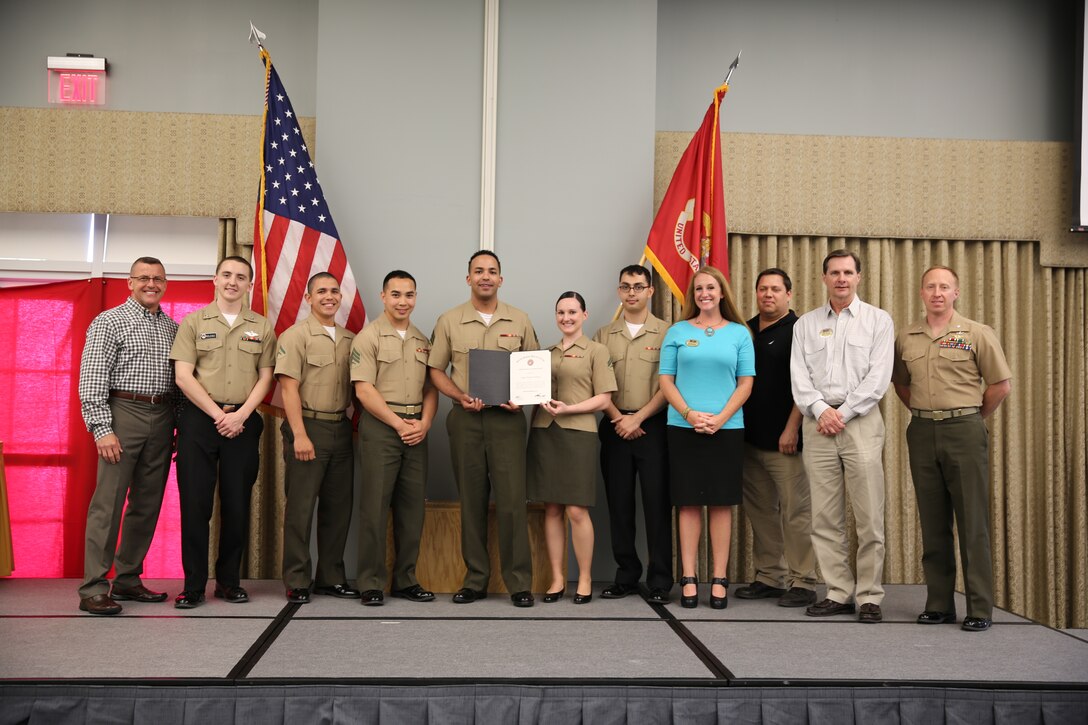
(609, 661)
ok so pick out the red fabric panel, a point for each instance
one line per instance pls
(49, 454)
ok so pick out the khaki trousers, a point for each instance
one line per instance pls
(776, 502)
(146, 433)
(848, 464)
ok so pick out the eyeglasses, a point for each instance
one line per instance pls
(145, 279)
(625, 288)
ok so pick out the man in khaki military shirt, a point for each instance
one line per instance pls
(940, 368)
(223, 358)
(632, 433)
(487, 444)
(312, 369)
(389, 369)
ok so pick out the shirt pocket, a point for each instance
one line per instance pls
(319, 361)
(510, 344)
(389, 352)
(815, 346)
(858, 349)
(954, 354)
(421, 356)
(209, 344)
(650, 356)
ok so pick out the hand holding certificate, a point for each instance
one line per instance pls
(497, 377)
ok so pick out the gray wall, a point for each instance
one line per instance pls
(976, 69)
(167, 56)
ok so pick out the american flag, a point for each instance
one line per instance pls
(294, 235)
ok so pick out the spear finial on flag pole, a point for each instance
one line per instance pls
(256, 36)
(732, 66)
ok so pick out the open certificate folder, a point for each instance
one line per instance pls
(497, 376)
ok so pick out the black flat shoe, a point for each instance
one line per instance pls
(550, 597)
(188, 600)
(522, 599)
(414, 593)
(932, 617)
(975, 624)
(657, 596)
(583, 598)
(301, 595)
(372, 598)
(341, 591)
(618, 591)
(465, 595)
(234, 595)
(685, 601)
(719, 602)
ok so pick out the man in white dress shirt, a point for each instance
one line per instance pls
(841, 365)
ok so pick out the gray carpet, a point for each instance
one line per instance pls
(1078, 633)
(479, 649)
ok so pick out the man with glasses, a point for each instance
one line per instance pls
(126, 391)
(632, 433)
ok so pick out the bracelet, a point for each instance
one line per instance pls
(684, 415)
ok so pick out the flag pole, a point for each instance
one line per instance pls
(256, 36)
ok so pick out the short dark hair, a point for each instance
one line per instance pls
(636, 270)
(481, 252)
(572, 295)
(780, 272)
(843, 253)
(147, 260)
(234, 258)
(397, 274)
(319, 275)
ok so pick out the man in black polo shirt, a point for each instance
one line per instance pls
(776, 493)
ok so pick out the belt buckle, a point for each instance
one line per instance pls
(942, 414)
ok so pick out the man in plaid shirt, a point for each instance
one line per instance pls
(127, 393)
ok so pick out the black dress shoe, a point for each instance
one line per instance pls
(657, 596)
(300, 595)
(138, 593)
(414, 593)
(976, 624)
(618, 591)
(550, 597)
(188, 600)
(795, 597)
(233, 595)
(522, 599)
(870, 614)
(829, 608)
(372, 598)
(341, 591)
(719, 602)
(582, 598)
(759, 590)
(100, 604)
(932, 617)
(465, 595)
(685, 601)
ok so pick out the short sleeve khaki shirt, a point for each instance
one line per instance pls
(396, 367)
(462, 329)
(947, 371)
(226, 359)
(308, 354)
(578, 373)
(634, 359)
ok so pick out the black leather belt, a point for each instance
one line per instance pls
(152, 399)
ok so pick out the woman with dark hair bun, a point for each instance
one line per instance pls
(562, 455)
(707, 369)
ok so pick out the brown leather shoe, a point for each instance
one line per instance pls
(99, 604)
(829, 608)
(138, 593)
(870, 614)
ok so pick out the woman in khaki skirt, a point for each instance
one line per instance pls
(562, 455)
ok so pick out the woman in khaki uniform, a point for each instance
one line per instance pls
(562, 458)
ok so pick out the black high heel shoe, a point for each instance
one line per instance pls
(685, 601)
(583, 598)
(550, 597)
(719, 602)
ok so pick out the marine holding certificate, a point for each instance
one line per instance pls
(562, 455)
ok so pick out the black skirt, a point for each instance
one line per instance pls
(705, 470)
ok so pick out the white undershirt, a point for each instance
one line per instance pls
(403, 334)
(633, 328)
(331, 330)
(487, 317)
(230, 318)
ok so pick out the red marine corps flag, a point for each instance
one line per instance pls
(689, 230)
(294, 235)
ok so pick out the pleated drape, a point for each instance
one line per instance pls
(1039, 505)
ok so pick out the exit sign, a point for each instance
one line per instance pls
(77, 81)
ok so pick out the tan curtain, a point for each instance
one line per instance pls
(1039, 436)
(265, 551)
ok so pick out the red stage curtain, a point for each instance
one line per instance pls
(50, 456)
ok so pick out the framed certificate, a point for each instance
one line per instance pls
(497, 376)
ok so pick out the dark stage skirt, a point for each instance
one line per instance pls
(705, 470)
(561, 466)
